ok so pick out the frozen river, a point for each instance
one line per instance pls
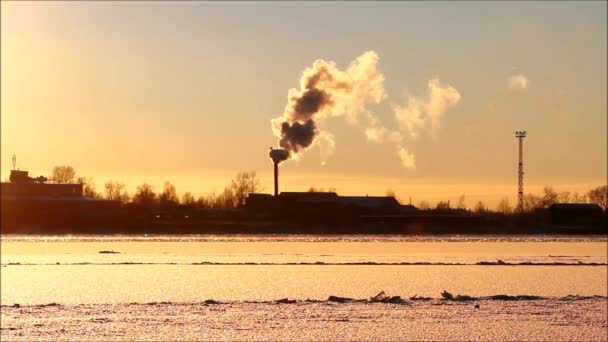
(114, 280)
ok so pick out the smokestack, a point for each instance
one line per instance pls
(276, 179)
(277, 155)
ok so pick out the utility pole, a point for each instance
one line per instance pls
(520, 135)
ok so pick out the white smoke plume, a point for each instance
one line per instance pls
(518, 82)
(425, 114)
(407, 158)
(327, 146)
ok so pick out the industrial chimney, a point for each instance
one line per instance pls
(276, 179)
(277, 155)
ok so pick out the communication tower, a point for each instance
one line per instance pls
(520, 135)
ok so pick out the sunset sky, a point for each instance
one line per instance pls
(185, 92)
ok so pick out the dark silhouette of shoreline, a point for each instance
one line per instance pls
(132, 219)
(34, 206)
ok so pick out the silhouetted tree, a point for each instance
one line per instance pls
(169, 195)
(563, 197)
(391, 193)
(188, 199)
(532, 202)
(226, 199)
(211, 200)
(63, 174)
(88, 187)
(550, 197)
(144, 195)
(504, 207)
(441, 205)
(116, 191)
(244, 184)
(313, 188)
(462, 203)
(424, 205)
(599, 196)
(201, 202)
(480, 207)
(578, 198)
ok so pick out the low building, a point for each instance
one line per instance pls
(28, 202)
(326, 202)
(576, 214)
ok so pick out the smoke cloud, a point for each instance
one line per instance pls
(518, 82)
(407, 158)
(327, 146)
(327, 91)
(416, 115)
(422, 114)
(278, 155)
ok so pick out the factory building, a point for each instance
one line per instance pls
(30, 203)
(23, 186)
(576, 214)
(309, 202)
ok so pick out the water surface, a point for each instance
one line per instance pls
(71, 270)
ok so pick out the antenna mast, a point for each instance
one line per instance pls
(520, 135)
(14, 162)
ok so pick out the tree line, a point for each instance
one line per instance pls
(233, 195)
(549, 196)
(236, 191)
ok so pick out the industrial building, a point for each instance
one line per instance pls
(576, 214)
(33, 203)
(22, 186)
(308, 202)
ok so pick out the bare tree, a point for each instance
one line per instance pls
(188, 199)
(169, 195)
(563, 197)
(201, 202)
(480, 207)
(442, 205)
(504, 207)
(599, 196)
(88, 187)
(144, 195)
(226, 199)
(244, 184)
(313, 188)
(578, 198)
(211, 200)
(424, 205)
(63, 174)
(462, 203)
(391, 193)
(116, 191)
(550, 197)
(532, 202)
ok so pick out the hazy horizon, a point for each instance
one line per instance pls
(185, 92)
